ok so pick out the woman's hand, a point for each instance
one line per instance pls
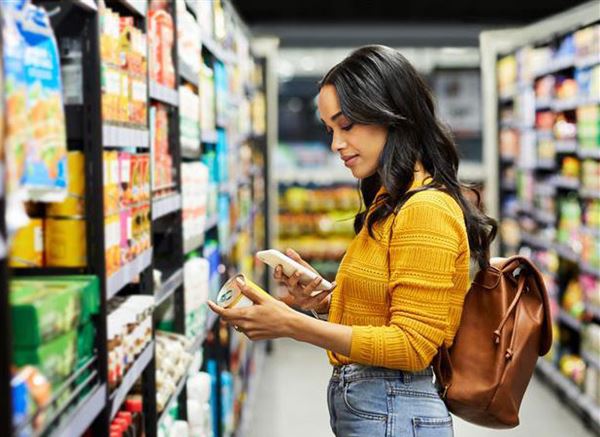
(299, 296)
(267, 319)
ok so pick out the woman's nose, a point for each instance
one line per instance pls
(337, 144)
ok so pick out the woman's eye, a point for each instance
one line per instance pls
(348, 127)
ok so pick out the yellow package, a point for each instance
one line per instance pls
(65, 242)
(27, 249)
(74, 204)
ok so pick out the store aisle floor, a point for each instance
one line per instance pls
(291, 401)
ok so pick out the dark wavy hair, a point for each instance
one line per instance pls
(376, 85)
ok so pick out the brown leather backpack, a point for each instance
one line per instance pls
(505, 326)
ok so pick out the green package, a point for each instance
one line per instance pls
(89, 288)
(41, 312)
(56, 359)
(86, 334)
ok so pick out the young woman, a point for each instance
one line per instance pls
(401, 285)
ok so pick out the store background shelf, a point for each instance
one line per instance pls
(591, 359)
(89, 5)
(127, 273)
(569, 320)
(163, 94)
(165, 205)
(138, 6)
(209, 136)
(571, 391)
(192, 243)
(80, 419)
(186, 72)
(92, 134)
(116, 136)
(168, 287)
(555, 203)
(133, 374)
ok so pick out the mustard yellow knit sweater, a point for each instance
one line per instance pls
(403, 307)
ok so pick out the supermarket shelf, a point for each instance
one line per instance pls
(134, 372)
(127, 273)
(566, 146)
(166, 205)
(535, 241)
(84, 414)
(192, 4)
(544, 217)
(595, 232)
(193, 243)
(306, 176)
(565, 252)
(588, 61)
(208, 255)
(209, 136)
(589, 153)
(590, 358)
(260, 353)
(173, 398)
(543, 104)
(565, 183)
(580, 400)
(218, 52)
(588, 193)
(566, 105)
(199, 340)
(137, 6)
(210, 320)
(556, 65)
(507, 160)
(545, 164)
(186, 72)
(211, 222)
(592, 309)
(168, 287)
(164, 94)
(89, 5)
(569, 320)
(191, 153)
(117, 136)
(584, 267)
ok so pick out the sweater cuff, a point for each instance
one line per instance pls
(361, 350)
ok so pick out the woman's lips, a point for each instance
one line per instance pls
(349, 161)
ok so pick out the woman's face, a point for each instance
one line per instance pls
(359, 145)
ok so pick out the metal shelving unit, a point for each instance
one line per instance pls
(547, 177)
(90, 406)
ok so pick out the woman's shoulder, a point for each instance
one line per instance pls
(433, 198)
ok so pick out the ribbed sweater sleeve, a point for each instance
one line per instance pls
(423, 250)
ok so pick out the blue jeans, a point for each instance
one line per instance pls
(376, 402)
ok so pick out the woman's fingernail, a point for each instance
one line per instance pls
(240, 281)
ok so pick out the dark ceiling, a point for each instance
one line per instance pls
(416, 23)
(255, 12)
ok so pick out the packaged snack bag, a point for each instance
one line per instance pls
(15, 115)
(46, 153)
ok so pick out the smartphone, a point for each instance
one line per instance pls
(274, 258)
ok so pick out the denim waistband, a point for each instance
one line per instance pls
(350, 372)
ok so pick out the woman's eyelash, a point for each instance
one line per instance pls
(350, 126)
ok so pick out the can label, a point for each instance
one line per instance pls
(231, 296)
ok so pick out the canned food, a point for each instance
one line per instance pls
(231, 296)
(65, 242)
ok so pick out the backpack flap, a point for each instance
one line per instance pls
(535, 283)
